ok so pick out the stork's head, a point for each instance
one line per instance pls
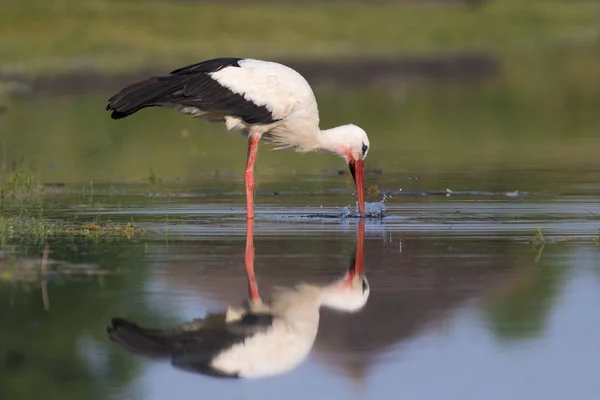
(352, 144)
(358, 148)
(357, 143)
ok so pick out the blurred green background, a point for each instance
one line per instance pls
(437, 85)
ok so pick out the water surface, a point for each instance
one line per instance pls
(484, 271)
(460, 299)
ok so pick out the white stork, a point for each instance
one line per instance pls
(258, 98)
(259, 338)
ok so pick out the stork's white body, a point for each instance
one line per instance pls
(257, 339)
(283, 345)
(259, 98)
(266, 349)
(284, 92)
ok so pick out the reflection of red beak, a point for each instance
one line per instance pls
(357, 169)
(357, 267)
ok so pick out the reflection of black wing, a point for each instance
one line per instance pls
(191, 346)
(191, 86)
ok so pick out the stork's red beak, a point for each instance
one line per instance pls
(357, 169)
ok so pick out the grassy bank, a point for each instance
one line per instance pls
(44, 36)
(24, 204)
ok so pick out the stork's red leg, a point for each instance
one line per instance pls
(249, 261)
(249, 176)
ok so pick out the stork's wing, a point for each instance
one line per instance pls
(196, 358)
(192, 90)
(192, 345)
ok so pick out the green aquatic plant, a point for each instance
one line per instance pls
(99, 229)
(153, 177)
(538, 237)
(18, 180)
(21, 220)
(539, 241)
(32, 227)
(39, 229)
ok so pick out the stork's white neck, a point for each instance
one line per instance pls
(304, 295)
(335, 140)
(347, 141)
(341, 295)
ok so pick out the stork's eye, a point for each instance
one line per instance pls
(364, 148)
(365, 286)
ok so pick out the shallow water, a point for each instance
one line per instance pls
(460, 297)
(484, 270)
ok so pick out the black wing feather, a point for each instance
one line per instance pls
(190, 86)
(207, 66)
(138, 340)
(191, 346)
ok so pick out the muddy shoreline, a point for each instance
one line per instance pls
(463, 68)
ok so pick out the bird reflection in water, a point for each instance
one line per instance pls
(257, 339)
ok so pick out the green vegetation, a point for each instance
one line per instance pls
(20, 219)
(45, 36)
(95, 229)
(36, 228)
(40, 229)
(18, 181)
(539, 240)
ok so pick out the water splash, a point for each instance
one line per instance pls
(372, 210)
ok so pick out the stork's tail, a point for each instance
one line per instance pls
(139, 95)
(138, 340)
